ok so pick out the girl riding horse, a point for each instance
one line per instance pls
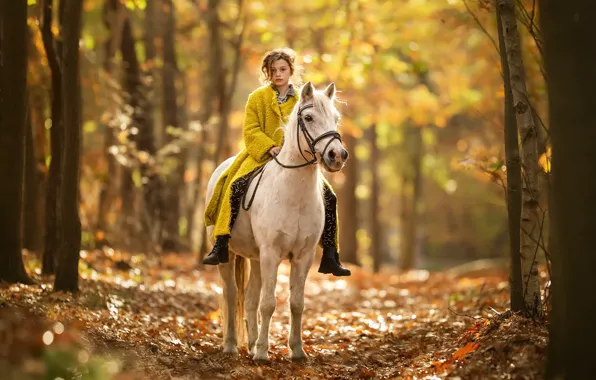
(266, 108)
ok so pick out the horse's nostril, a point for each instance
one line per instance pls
(344, 154)
(331, 154)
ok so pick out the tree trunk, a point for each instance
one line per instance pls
(36, 113)
(569, 63)
(13, 115)
(558, 341)
(531, 228)
(174, 183)
(146, 141)
(113, 19)
(53, 48)
(406, 251)
(133, 88)
(411, 193)
(513, 195)
(348, 206)
(31, 231)
(33, 196)
(67, 273)
(375, 225)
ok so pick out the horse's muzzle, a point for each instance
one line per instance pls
(335, 160)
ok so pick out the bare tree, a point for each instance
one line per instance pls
(31, 229)
(114, 15)
(569, 62)
(514, 188)
(133, 89)
(172, 188)
(411, 194)
(53, 48)
(531, 228)
(152, 207)
(67, 272)
(375, 225)
(13, 115)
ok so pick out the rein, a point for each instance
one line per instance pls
(311, 145)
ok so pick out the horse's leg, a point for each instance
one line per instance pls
(226, 271)
(269, 266)
(251, 304)
(298, 274)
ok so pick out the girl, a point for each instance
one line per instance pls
(265, 109)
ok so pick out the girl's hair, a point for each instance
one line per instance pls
(287, 55)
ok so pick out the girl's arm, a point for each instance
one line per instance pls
(256, 141)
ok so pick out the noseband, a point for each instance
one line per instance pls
(310, 140)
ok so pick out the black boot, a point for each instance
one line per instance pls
(330, 263)
(219, 253)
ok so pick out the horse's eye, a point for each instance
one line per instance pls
(308, 118)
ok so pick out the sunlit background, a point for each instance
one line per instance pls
(164, 88)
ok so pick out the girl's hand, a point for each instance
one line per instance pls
(274, 151)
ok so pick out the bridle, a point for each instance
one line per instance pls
(301, 127)
(310, 140)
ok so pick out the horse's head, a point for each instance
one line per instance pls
(319, 116)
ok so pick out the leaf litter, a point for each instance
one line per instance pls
(149, 321)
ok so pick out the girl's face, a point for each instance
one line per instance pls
(280, 73)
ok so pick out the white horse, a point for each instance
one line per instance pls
(285, 221)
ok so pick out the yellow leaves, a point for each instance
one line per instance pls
(214, 316)
(136, 4)
(395, 115)
(348, 126)
(545, 160)
(395, 65)
(440, 120)
(423, 105)
(366, 48)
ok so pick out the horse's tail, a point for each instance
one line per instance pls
(241, 274)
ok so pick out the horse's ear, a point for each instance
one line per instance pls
(330, 91)
(307, 91)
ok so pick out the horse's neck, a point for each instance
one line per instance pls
(290, 155)
(297, 179)
(290, 152)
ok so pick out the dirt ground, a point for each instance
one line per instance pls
(132, 321)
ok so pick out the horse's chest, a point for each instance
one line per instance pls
(296, 220)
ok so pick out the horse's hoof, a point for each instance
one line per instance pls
(260, 358)
(230, 349)
(298, 355)
(252, 351)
